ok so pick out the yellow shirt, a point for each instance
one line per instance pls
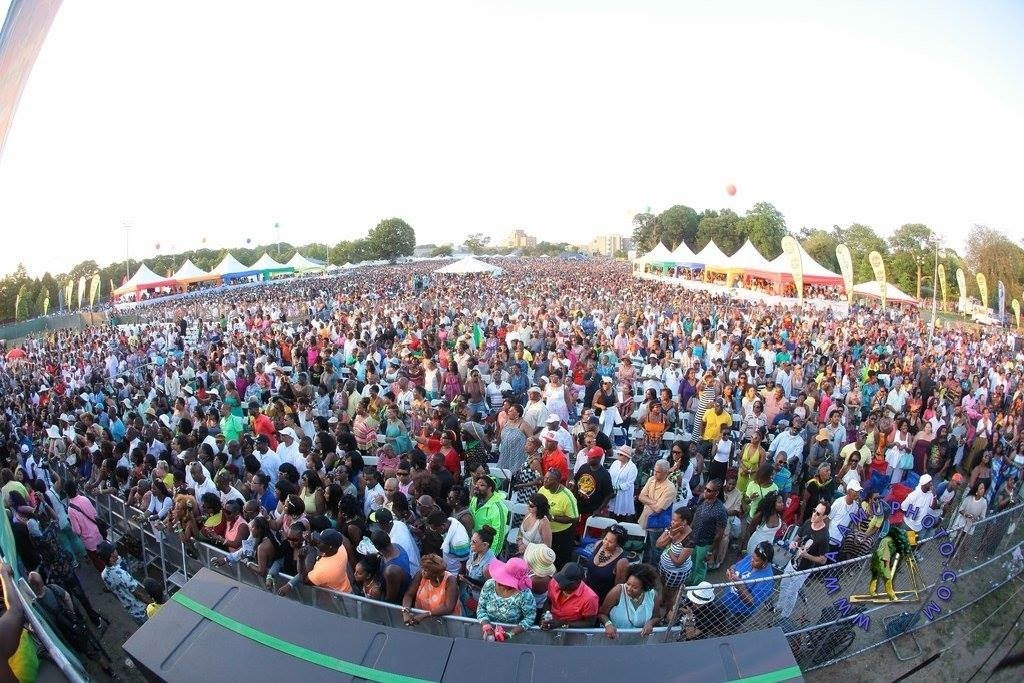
(562, 504)
(713, 424)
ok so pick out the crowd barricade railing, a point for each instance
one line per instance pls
(822, 628)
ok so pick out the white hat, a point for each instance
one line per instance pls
(701, 594)
(53, 431)
(553, 419)
(288, 431)
(24, 448)
(332, 420)
(165, 420)
(532, 389)
(854, 486)
(84, 396)
(64, 417)
(925, 479)
(120, 380)
(607, 379)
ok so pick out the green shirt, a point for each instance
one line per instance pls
(232, 427)
(494, 514)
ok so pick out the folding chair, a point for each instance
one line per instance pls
(593, 533)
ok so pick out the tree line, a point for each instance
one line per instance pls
(909, 253)
(389, 239)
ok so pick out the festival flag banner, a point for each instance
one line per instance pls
(81, 290)
(878, 266)
(46, 304)
(68, 289)
(791, 248)
(942, 284)
(17, 302)
(1001, 295)
(846, 268)
(94, 289)
(1015, 305)
(961, 283)
(983, 289)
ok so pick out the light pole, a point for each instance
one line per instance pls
(127, 229)
(935, 288)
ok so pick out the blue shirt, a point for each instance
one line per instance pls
(760, 590)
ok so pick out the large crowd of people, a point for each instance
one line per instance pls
(562, 446)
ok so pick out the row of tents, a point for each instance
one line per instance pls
(229, 269)
(748, 262)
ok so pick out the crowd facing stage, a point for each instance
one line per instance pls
(564, 445)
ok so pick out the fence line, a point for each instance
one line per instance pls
(981, 563)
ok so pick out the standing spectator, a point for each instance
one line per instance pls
(123, 585)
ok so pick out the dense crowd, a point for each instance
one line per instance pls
(562, 446)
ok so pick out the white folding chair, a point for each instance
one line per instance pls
(515, 510)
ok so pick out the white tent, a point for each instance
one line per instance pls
(873, 290)
(747, 257)
(682, 255)
(657, 255)
(469, 265)
(190, 272)
(229, 266)
(814, 272)
(301, 263)
(142, 278)
(267, 262)
(711, 256)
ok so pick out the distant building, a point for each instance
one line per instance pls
(605, 245)
(518, 239)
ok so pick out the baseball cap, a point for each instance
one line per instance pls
(381, 516)
(595, 452)
(571, 573)
(329, 537)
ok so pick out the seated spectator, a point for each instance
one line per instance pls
(631, 604)
(433, 589)
(536, 526)
(725, 615)
(571, 602)
(475, 573)
(506, 598)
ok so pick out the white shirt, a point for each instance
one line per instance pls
(921, 500)
(291, 454)
(269, 464)
(839, 516)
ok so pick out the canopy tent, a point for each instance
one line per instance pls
(468, 264)
(657, 255)
(267, 262)
(893, 294)
(683, 256)
(747, 257)
(711, 257)
(144, 278)
(230, 266)
(302, 264)
(814, 272)
(190, 272)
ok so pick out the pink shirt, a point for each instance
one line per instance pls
(82, 524)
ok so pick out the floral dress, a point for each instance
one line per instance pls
(519, 609)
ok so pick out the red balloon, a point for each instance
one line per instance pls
(731, 189)
(158, 246)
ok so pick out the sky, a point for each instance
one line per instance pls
(189, 120)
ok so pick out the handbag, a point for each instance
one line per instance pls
(101, 525)
(906, 461)
(660, 520)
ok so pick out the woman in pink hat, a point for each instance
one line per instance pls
(506, 598)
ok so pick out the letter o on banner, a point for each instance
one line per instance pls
(944, 593)
(946, 549)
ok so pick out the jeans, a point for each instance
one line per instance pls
(789, 591)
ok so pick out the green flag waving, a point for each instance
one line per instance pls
(478, 336)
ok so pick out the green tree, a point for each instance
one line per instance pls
(862, 240)
(620, 253)
(721, 226)
(999, 258)
(316, 252)
(392, 238)
(764, 226)
(645, 231)
(677, 224)
(821, 246)
(911, 257)
(442, 250)
(476, 242)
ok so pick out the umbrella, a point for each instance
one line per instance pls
(15, 354)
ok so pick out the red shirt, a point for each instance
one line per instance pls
(576, 606)
(265, 426)
(452, 462)
(556, 459)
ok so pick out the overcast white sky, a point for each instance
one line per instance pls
(563, 117)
